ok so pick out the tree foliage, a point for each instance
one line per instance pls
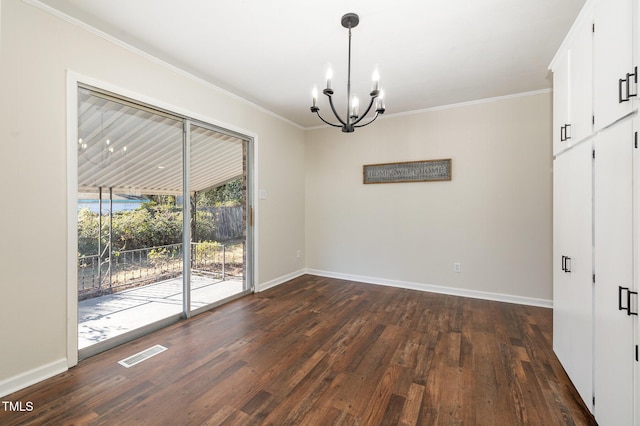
(155, 223)
(227, 195)
(150, 225)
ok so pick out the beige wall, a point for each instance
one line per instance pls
(494, 217)
(36, 51)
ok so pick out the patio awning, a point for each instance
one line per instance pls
(138, 151)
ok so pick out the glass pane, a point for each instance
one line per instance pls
(129, 217)
(218, 225)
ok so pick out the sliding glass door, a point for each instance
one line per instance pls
(162, 230)
(218, 220)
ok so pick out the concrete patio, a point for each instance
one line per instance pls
(104, 317)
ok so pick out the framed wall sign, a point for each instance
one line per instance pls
(410, 171)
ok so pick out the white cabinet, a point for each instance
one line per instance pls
(596, 276)
(614, 75)
(614, 298)
(572, 265)
(572, 82)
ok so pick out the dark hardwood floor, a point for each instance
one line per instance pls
(319, 351)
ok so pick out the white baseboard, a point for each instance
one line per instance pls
(279, 280)
(31, 377)
(498, 297)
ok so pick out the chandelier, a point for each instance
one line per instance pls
(353, 119)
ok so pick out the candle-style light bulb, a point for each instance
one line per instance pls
(355, 105)
(329, 77)
(380, 101)
(376, 80)
(314, 96)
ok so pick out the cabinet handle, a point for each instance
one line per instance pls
(635, 81)
(565, 134)
(627, 95)
(620, 98)
(629, 307)
(620, 291)
(567, 264)
(629, 293)
(564, 263)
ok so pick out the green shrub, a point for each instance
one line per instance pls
(207, 251)
(87, 232)
(150, 225)
(205, 226)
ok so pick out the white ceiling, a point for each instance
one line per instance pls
(429, 52)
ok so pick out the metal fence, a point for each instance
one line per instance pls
(124, 269)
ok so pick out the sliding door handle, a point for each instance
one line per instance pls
(564, 263)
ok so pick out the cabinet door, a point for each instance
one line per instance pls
(613, 257)
(573, 287)
(613, 57)
(560, 102)
(581, 83)
(573, 90)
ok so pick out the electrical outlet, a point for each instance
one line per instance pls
(457, 267)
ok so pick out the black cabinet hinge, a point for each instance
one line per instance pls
(636, 352)
(594, 278)
(594, 401)
(593, 119)
(593, 153)
(635, 140)
(593, 28)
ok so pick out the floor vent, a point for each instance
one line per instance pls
(142, 356)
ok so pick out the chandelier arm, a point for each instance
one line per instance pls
(333, 108)
(330, 124)
(372, 120)
(373, 98)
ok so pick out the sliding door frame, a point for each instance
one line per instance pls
(186, 215)
(74, 83)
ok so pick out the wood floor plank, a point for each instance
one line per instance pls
(411, 409)
(322, 351)
(378, 405)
